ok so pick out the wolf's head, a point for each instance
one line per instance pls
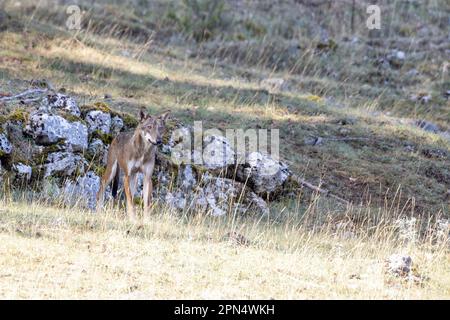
(152, 127)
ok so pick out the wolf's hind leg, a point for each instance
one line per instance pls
(148, 189)
(110, 173)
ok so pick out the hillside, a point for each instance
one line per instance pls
(363, 114)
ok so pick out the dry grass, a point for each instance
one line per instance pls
(49, 251)
(57, 253)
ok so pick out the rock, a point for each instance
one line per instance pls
(176, 200)
(435, 153)
(274, 84)
(98, 120)
(5, 145)
(399, 265)
(82, 191)
(421, 97)
(116, 125)
(64, 164)
(60, 101)
(214, 195)
(217, 195)
(400, 55)
(48, 129)
(179, 146)
(98, 150)
(409, 148)
(217, 152)
(313, 141)
(396, 58)
(412, 73)
(346, 121)
(262, 173)
(257, 203)
(186, 178)
(22, 171)
(427, 126)
(447, 94)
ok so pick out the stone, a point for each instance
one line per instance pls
(217, 195)
(48, 129)
(257, 203)
(62, 102)
(116, 125)
(179, 146)
(399, 265)
(412, 73)
(435, 153)
(313, 141)
(396, 58)
(98, 120)
(427, 126)
(5, 145)
(64, 164)
(262, 173)
(82, 191)
(22, 171)
(98, 150)
(176, 200)
(217, 152)
(186, 178)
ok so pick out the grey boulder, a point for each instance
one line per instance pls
(48, 128)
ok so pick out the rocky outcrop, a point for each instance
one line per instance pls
(5, 145)
(399, 265)
(83, 190)
(48, 129)
(116, 125)
(262, 173)
(64, 164)
(58, 141)
(22, 171)
(217, 152)
(98, 150)
(60, 101)
(98, 120)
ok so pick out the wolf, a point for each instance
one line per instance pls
(134, 152)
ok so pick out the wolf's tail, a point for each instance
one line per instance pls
(115, 184)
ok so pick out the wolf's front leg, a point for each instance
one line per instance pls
(128, 195)
(148, 189)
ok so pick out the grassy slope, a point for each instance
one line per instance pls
(365, 156)
(227, 93)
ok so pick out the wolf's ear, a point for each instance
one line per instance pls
(165, 115)
(143, 114)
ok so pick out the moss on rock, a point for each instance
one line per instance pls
(99, 106)
(128, 120)
(71, 117)
(106, 138)
(18, 115)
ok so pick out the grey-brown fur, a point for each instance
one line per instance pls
(134, 152)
